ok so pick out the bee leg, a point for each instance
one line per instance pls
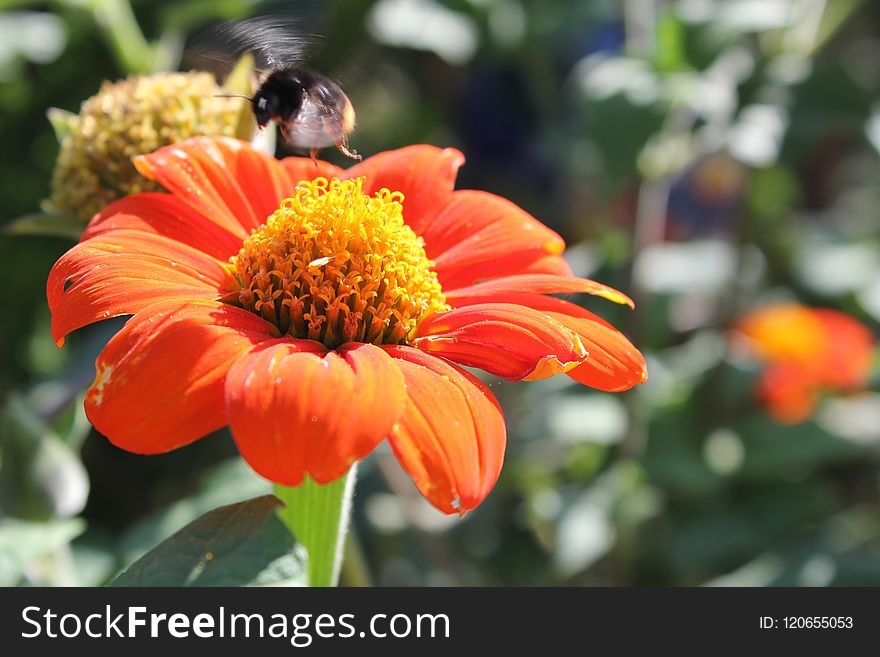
(314, 155)
(342, 145)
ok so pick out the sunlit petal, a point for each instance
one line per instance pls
(159, 381)
(451, 437)
(295, 408)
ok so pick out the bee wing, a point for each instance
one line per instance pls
(317, 124)
(275, 41)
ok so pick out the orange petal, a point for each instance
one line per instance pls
(119, 274)
(789, 391)
(159, 381)
(451, 437)
(612, 363)
(470, 212)
(538, 284)
(536, 264)
(785, 332)
(166, 215)
(454, 275)
(264, 179)
(849, 352)
(479, 236)
(424, 174)
(225, 179)
(508, 340)
(294, 411)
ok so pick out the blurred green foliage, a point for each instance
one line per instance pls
(703, 155)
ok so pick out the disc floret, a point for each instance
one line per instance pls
(336, 265)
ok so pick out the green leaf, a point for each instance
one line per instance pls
(74, 427)
(92, 559)
(674, 456)
(241, 81)
(774, 450)
(243, 544)
(836, 14)
(670, 50)
(228, 482)
(240, 78)
(61, 121)
(23, 543)
(619, 128)
(712, 542)
(318, 516)
(46, 223)
(41, 476)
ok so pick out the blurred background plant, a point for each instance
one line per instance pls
(708, 157)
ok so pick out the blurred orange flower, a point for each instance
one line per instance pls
(808, 351)
(315, 313)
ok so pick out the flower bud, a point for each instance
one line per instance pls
(128, 118)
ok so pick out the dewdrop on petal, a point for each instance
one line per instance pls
(127, 118)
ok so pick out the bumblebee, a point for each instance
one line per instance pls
(312, 110)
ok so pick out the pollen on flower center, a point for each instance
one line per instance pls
(335, 265)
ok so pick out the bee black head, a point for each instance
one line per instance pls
(266, 106)
(279, 98)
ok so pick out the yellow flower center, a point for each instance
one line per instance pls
(335, 265)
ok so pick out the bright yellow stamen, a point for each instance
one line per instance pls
(335, 265)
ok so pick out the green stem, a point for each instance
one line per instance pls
(318, 517)
(354, 564)
(117, 20)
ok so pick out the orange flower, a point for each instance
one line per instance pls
(336, 322)
(808, 351)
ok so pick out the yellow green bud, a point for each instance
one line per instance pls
(128, 118)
